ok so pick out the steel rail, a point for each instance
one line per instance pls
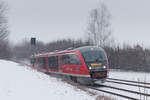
(135, 92)
(145, 83)
(124, 96)
(91, 87)
(128, 84)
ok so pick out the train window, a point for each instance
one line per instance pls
(94, 56)
(74, 59)
(53, 62)
(65, 59)
(33, 60)
(42, 62)
(71, 59)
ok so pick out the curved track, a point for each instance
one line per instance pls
(145, 83)
(123, 82)
(129, 84)
(113, 93)
(125, 90)
(103, 88)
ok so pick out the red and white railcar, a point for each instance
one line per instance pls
(84, 64)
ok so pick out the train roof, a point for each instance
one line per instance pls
(81, 49)
(85, 48)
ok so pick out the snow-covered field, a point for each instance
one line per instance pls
(22, 83)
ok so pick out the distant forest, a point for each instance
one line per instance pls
(126, 57)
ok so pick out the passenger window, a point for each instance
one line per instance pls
(74, 59)
(53, 62)
(71, 59)
(65, 59)
(42, 62)
(32, 60)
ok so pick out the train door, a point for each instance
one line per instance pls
(59, 60)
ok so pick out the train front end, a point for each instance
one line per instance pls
(96, 61)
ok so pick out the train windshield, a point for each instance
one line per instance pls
(94, 56)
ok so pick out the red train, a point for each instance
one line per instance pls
(84, 64)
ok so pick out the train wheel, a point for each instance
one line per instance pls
(73, 79)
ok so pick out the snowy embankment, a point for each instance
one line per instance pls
(22, 83)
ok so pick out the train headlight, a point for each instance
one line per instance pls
(104, 67)
(90, 67)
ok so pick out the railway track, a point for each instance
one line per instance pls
(118, 94)
(135, 92)
(85, 88)
(129, 83)
(113, 93)
(145, 83)
(102, 88)
(137, 84)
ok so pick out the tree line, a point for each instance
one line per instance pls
(126, 57)
(129, 58)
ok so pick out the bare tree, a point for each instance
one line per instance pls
(4, 47)
(99, 32)
(3, 22)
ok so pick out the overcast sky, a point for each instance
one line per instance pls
(50, 20)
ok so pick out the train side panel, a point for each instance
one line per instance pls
(78, 68)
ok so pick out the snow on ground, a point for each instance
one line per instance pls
(134, 76)
(23, 83)
(19, 82)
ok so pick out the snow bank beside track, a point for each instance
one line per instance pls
(23, 83)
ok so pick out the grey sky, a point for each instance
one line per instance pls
(54, 19)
